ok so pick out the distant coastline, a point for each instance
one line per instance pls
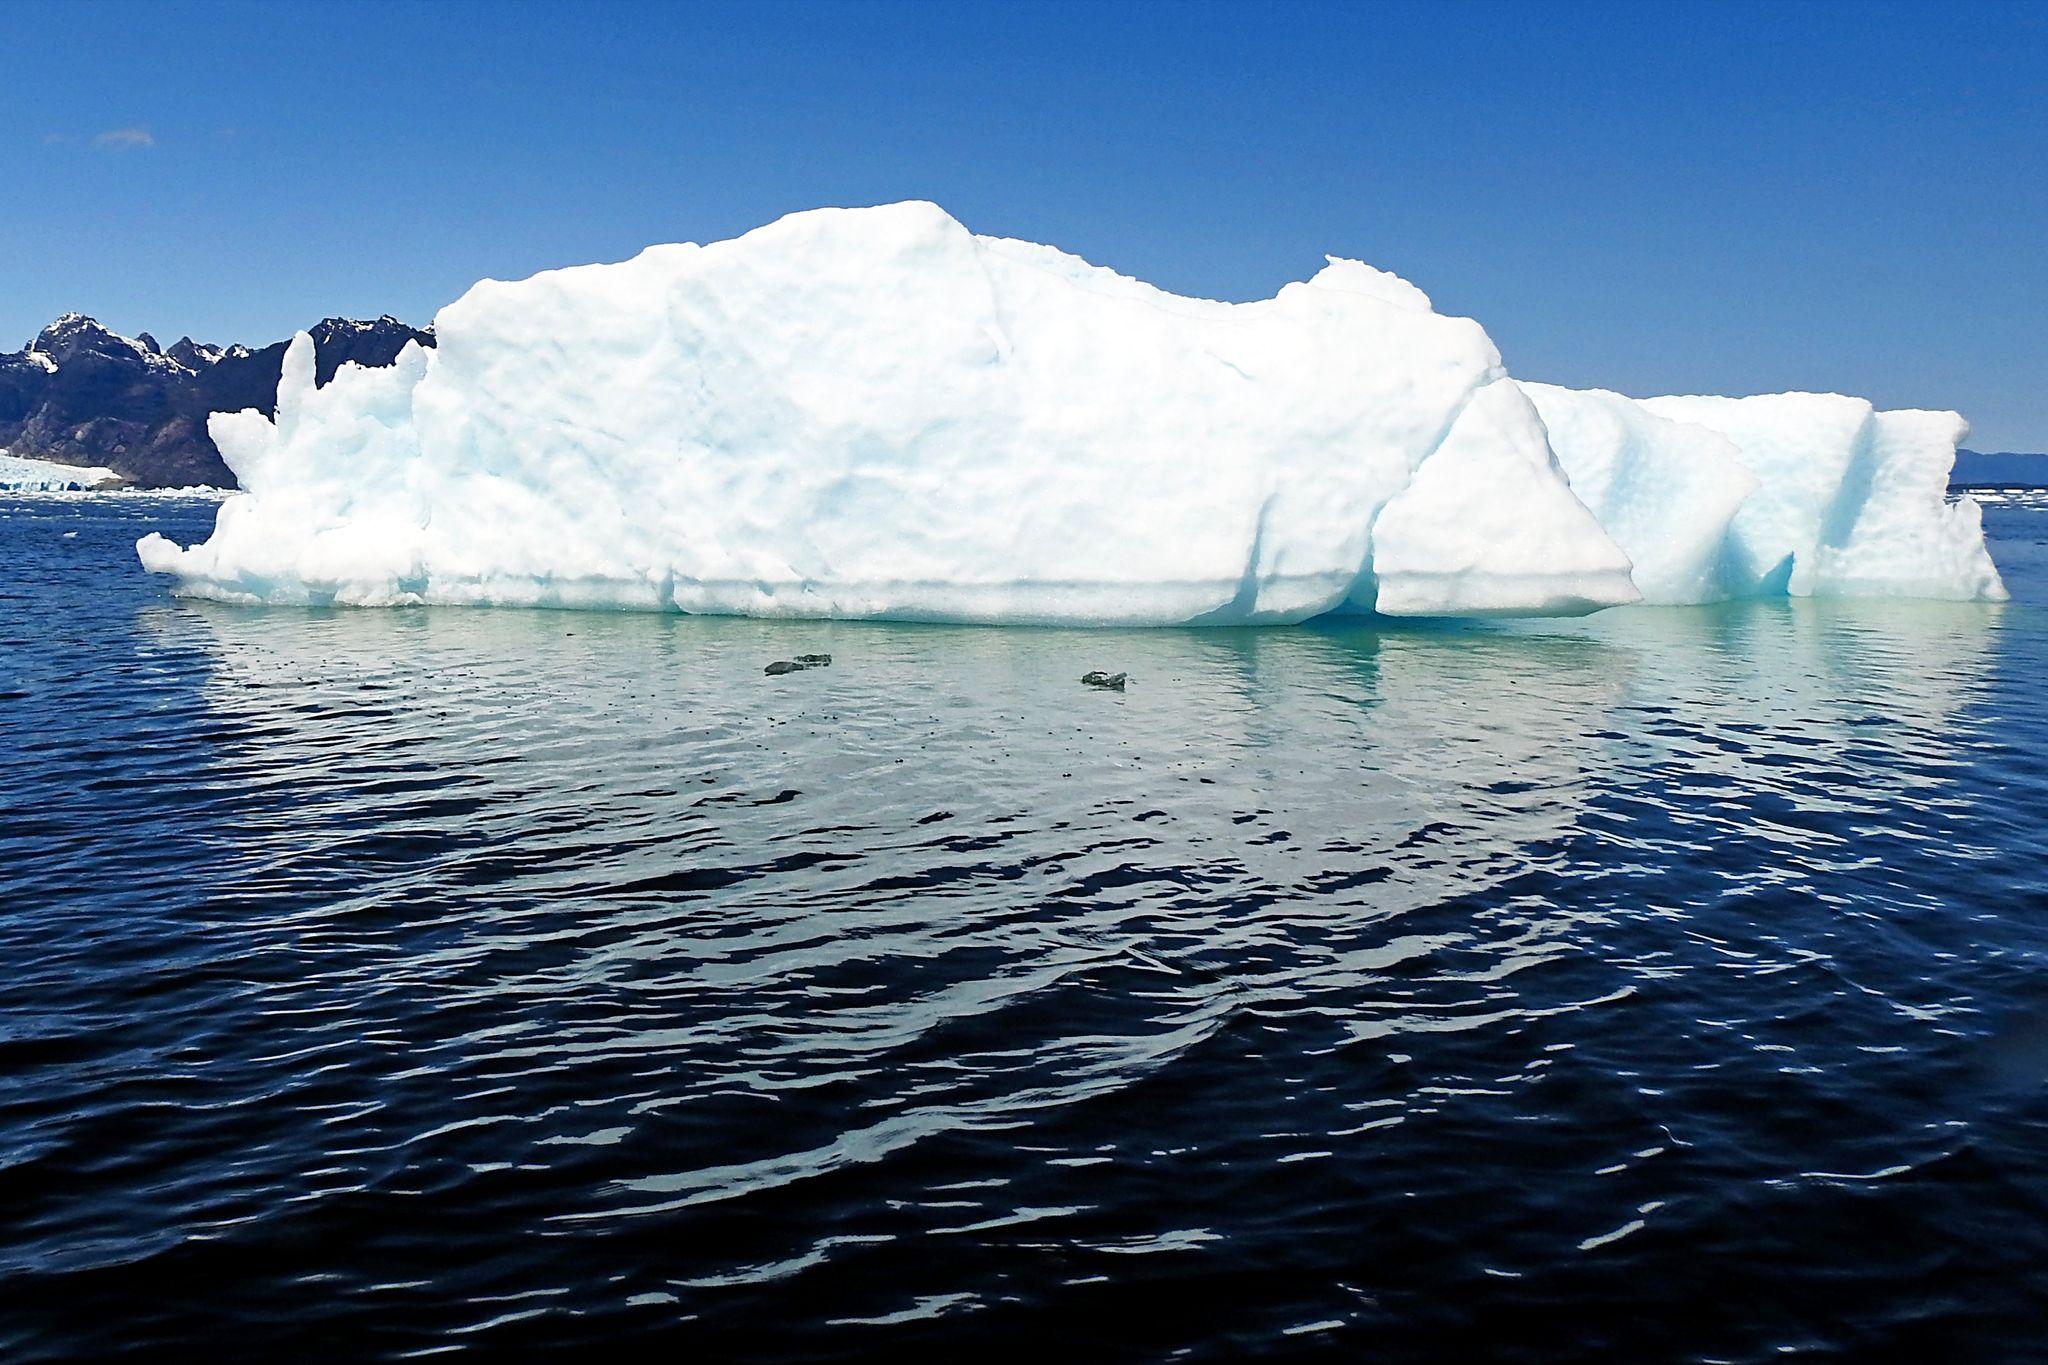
(1998, 469)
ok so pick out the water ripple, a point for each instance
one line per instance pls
(390, 983)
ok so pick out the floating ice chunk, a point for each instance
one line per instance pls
(1356, 277)
(1851, 501)
(875, 413)
(357, 522)
(1796, 493)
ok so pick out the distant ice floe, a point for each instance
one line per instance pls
(876, 413)
(21, 475)
(2015, 496)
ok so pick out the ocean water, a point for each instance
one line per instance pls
(1667, 985)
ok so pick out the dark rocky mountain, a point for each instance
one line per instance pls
(81, 394)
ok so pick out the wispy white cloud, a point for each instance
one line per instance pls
(55, 139)
(124, 139)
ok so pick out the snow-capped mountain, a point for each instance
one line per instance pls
(83, 394)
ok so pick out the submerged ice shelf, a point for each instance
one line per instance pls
(876, 413)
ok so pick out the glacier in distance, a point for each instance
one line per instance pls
(875, 413)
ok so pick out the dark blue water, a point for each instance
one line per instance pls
(1670, 985)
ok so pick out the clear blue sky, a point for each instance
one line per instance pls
(1721, 197)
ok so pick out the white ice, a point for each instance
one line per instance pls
(1800, 494)
(1665, 490)
(875, 413)
(1852, 501)
(19, 474)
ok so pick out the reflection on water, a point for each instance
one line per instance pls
(392, 981)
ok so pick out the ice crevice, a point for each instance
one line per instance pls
(876, 413)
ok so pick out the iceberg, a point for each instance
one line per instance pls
(875, 413)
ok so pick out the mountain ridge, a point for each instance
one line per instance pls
(1999, 469)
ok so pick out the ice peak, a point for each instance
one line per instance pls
(877, 227)
(1345, 276)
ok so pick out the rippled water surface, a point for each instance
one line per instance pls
(1666, 985)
